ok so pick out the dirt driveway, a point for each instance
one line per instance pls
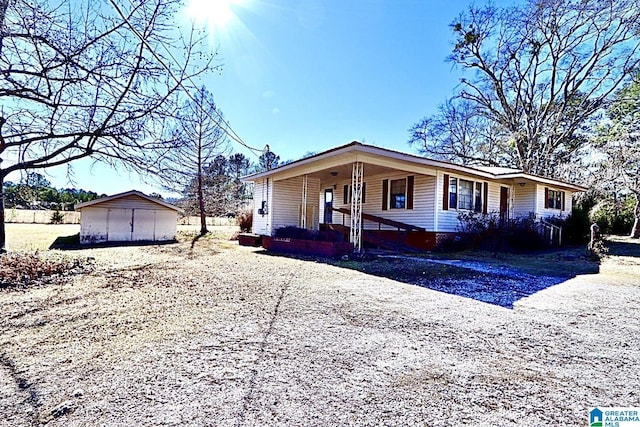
(226, 335)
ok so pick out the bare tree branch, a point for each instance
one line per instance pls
(79, 80)
(538, 74)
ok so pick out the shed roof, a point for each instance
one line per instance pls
(137, 193)
(355, 146)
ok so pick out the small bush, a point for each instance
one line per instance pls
(575, 227)
(245, 220)
(57, 217)
(304, 234)
(597, 250)
(487, 231)
(614, 216)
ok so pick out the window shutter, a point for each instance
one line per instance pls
(410, 179)
(445, 193)
(485, 197)
(345, 195)
(546, 198)
(385, 194)
(562, 195)
(364, 192)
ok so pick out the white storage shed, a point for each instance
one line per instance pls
(127, 217)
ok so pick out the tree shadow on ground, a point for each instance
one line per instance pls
(196, 238)
(490, 282)
(623, 246)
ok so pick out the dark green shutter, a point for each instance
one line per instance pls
(445, 192)
(410, 179)
(485, 198)
(546, 198)
(385, 194)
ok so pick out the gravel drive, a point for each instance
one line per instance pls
(225, 335)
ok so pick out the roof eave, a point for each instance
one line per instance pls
(369, 149)
(543, 180)
(167, 205)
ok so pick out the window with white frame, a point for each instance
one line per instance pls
(465, 194)
(398, 193)
(554, 199)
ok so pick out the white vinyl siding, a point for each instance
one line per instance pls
(447, 220)
(493, 199)
(262, 192)
(547, 212)
(287, 201)
(421, 215)
(524, 199)
(283, 199)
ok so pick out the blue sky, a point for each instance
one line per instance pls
(310, 75)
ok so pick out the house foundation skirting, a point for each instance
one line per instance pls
(307, 247)
(418, 240)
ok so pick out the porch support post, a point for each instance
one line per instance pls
(355, 237)
(303, 208)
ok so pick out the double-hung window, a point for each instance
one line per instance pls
(398, 193)
(464, 194)
(554, 199)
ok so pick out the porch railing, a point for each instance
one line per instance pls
(550, 231)
(380, 221)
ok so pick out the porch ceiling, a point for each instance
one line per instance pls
(342, 172)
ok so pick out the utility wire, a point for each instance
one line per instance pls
(227, 127)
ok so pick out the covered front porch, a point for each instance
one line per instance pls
(367, 199)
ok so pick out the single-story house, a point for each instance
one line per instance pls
(359, 188)
(127, 217)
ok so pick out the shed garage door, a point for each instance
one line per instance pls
(131, 225)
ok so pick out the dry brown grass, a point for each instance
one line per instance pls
(217, 334)
(36, 237)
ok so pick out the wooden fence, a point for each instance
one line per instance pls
(27, 216)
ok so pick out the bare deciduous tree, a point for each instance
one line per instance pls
(458, 132)
(540, 71)
(200, 139)
(88, 78)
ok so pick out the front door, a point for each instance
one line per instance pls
(328, 206)
(504, 203)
